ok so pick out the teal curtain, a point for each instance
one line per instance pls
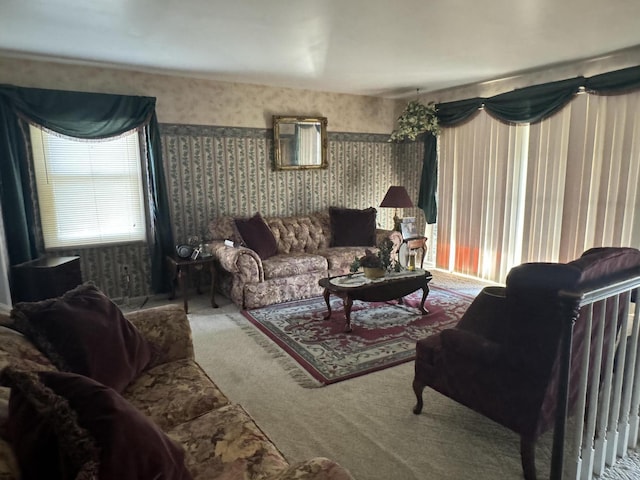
(81, 115)
(429, 181)
(524, 105)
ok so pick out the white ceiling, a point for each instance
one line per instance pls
(366, 47)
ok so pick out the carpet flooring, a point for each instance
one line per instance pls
(384, 333)
(366, 423)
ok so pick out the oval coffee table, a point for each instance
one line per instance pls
(392, 286)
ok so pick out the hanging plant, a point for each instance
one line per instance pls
(416, 119)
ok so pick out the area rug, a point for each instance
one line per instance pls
(384, 333)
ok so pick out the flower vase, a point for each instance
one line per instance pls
(373, 272)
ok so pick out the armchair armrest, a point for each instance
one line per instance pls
(318, 468)
(238, 260)
(471, 345)
(167, 328)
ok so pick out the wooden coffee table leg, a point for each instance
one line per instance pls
(348, 303)
(425, 292)
(326, 294)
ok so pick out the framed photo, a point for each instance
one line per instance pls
(408, 228)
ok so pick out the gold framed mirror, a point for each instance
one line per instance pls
(299, 143)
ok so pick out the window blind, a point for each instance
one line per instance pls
(89, 192)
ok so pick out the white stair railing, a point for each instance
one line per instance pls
(604, 417)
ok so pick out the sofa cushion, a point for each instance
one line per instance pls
(84, 332)
(174, 392)
(78, 428)
(257, 236)
(293, 264)
(223, 228)
(298, 234)
(341, 258)
(352, 227)
(226, 442)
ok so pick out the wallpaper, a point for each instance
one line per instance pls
(207, 101)
(213, 171)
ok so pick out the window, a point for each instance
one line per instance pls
(89, 192)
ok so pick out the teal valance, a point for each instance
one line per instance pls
(532, 104)
(81, 115)
(523, 105)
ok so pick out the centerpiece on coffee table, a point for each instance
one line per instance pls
(371, 265)
(376, 265)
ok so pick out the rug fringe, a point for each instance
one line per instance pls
(289, 365)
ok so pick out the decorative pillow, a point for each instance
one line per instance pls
(77, 428)
(257, 236)
(86, 333)
(353, 228)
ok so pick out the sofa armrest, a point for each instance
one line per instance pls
(167, 328)
(318, 468)
(471, 345)
(238, 260)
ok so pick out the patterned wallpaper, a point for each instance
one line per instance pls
(202, 101)
(213, 171)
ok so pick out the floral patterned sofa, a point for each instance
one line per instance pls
(305, 251)
(169, 419)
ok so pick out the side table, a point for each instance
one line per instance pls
(413, 244)
(45, 277)
(183, 268)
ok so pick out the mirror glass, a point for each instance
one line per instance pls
(299, 142)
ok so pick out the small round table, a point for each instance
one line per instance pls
(410, 245)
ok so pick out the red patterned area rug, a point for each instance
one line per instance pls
(384, 333)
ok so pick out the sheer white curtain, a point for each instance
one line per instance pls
(308, 137)
(544, 192)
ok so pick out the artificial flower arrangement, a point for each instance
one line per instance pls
(415, 120)
(382, 259)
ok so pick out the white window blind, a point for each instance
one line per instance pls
(89, 192)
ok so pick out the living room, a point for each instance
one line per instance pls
(215, 129)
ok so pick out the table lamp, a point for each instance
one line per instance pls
(396, 197)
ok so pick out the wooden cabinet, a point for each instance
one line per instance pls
(45, 277)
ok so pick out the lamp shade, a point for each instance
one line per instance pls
(396, 197)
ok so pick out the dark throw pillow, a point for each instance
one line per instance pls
(257, 235)
(352, 227)
(84, 332)
(66, 426)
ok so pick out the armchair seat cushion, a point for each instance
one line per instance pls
(472, 346)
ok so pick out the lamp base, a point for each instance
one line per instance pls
(397, 222)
